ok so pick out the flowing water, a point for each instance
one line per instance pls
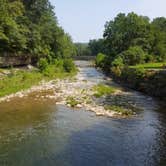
(40, 133)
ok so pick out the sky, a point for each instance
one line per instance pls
(85, 19)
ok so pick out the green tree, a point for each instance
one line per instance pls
(132, 56)
(159, 44)
(96, 46)
(12, 31)
(125, 31)
(31, 27)
(100, 59)
(82, 49)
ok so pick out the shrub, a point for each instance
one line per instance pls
(133, 76)
(134, 55)
(140, 72)
(69, 65)
(149, 58)
(117, 71)
(117, 66)
(118, 62)
(100, 60)
(42, 64)
(58, 63)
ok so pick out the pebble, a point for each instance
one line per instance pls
(66, 88)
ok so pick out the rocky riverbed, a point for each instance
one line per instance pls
(76, 92)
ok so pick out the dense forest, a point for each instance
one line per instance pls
(30, 27)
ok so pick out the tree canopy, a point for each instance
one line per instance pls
(133, 38)
(31, 27)
(133, 30)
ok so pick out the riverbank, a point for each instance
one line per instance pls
(151, 82)
(48, 132)
(76, 92)
(19, 79)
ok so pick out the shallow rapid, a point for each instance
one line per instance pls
(40, 133)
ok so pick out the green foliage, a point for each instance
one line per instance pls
(134, 55)
(31, 28)
(117, 66)
(100, 60)
(96, 46)
(82, 49)
(159, 45)
(149, 58)
(103, 90)
(59, 66)
(132, 76)
(69, 65)
(42, 64)
(118, 109)
(135, 39)
(117, 71)
(21, 80)
(72, 101)
(93, 48)
(118, 62)
(12, 31)
(123, 31)
(148, 81)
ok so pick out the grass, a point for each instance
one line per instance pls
(103, 90)
(118, 109)
(22, 80)
(159, 65)
(72, 101)
(18, 81)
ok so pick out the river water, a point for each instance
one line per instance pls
(40, 133)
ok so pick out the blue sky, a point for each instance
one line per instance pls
(85, 19)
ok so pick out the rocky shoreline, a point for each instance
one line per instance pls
(77, 88)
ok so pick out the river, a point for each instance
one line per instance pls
(41, 133)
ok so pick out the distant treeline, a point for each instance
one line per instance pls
(30, 27)
(90, 49)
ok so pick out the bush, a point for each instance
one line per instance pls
(134, 55)
(100, 60)
(58, 63)
(117, 71)
(42, 64)
(133, 76)
(117, 66)
(69, 65)
(149, 58)
(118, 62)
